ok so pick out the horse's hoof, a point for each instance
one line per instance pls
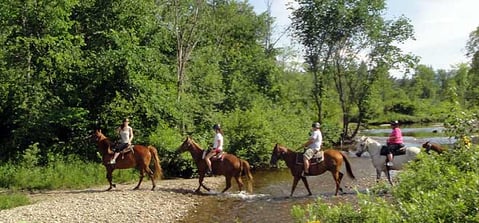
(113, 185)
(136, 188)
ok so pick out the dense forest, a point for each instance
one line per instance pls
(176, 67)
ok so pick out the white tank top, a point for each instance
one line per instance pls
(125, 134)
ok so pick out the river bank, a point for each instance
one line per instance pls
(169, 202)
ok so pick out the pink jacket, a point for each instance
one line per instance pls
(395, 137)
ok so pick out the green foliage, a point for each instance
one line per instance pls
(433, 188)
(13, 199)
(462, 125)
(369, 209)
(64, 173)
(440, 188)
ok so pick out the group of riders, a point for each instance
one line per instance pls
(312, 146)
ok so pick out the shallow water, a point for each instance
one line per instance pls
(270, 201)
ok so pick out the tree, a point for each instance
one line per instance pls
(338, 35)
(472, 51)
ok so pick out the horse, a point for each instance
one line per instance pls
(332, 162)
(139, 157)
(379, 161)
(433, 146)
(227, 165)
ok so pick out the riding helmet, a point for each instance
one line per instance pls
(396, 122)
(316, 125)
(216, 126)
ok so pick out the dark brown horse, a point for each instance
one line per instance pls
(229, 165)
(433, 146)
(332, 162)
(139, 158)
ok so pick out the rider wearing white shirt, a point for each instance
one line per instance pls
(313, 144)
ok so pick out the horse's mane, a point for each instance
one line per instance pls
(194, 143)
(286, 148)
(104, 139)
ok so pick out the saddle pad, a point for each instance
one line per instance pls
(397, 152)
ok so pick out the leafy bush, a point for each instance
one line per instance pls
(69, 172)
(13, 199)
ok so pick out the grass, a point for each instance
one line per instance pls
(13, 199)
(19, 179)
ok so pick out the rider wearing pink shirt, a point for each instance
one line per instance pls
(394, 142)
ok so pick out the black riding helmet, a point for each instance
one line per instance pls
(316, 125)
(396, 122)
(216, 126)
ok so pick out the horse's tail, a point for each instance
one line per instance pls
(246, 170)
(158, 172)
(348, 166)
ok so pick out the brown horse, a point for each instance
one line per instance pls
(432, 146)
(139, 158)
(228, 165)
(332, 162)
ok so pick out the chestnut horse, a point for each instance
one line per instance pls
(228, 165)
(332, 162)
(139, 158)
(432, 146)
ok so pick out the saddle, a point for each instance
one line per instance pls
(316, 159)
(395, 152)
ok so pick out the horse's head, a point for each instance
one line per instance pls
(188, 145)
(277, 153)
(103, 143)
(361, 146)
(97, 136)
(427, 145)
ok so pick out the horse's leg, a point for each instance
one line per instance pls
(200, 181)
(202, 177)
(295, 182)
(306, 184)
(228, 183)
(239, 182)
(388, 174)
(109, 176)
(152, 178)
(378, 174)
(142, 174)
(338, 182)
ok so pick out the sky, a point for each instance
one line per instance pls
(441, 27)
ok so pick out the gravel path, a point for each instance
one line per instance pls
(170, 201)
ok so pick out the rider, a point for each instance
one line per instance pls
(313, 144)
(217, 146)
(394, 142)
(126, 135)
